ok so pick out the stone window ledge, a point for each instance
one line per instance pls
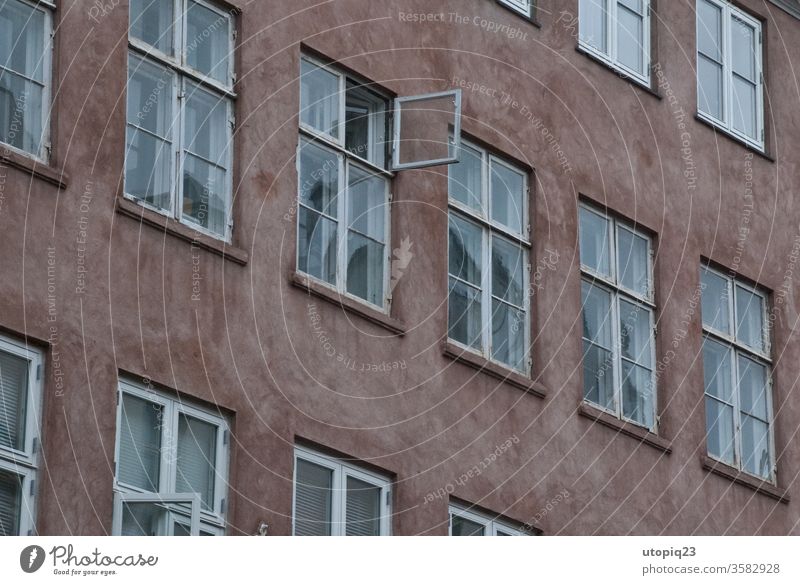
(624, 427)
(744, 479)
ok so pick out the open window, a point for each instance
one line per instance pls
(156, 514)
(427, 130)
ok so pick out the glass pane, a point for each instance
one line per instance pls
(633, 262)
(593, 23)
(13, 400)
(465, 179)
(151, 21)
(365, 268)
(150, 89)
(22, 39)
(464, 314)
(316, 244)
(637, 394)
(709, 87)
(630, 39)
(743, 49)
(319, 179)
(426, 129)
(716, 301)
(366, 203)
(719, 430)
(312, 494)
(197, 459)
(363, 508)
(20, 112)
(508, 335)
(10, 500)
(508, 263)
(139, 462)
(749, 318)
(465, 250)
(755, 447)
(594, 242)
(635, 333)
(743, 107)
(365, 124)
(144, 519)
(598, 376)
(634, 5)
(206, 127)
(596, 315)
(508, 193)
(709, 30)
(148, 169)
(753, 388)
(463, 527)
(717, 370)
(319, 99)
(204, 199)
(208, 41)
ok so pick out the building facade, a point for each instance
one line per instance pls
(477, 267)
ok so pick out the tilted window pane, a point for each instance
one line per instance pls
(151, 21)
(317, 245)
(716, 301)
(20, 112)
(367, 204)
(749, 319)
(319, 99)
(755, 447)
(717, 370)
(144, 519)
(363, 508)
(709, 30)
(312, 499)
(464, 314)
(637, 394)
(508, 265)
(709, 90)
(507, 197)
(150, 97)
(140, 443)
(719, 430)
(10, 503)
(597, 318)
(508, 335)
(630, 39)
(594, 242)
(22, 39)
(636, 333)
(593, 16)
(319, 179)
(633, 262)
(465, 183)
(148, 168)
(208, 41)
(753, 388)
(13, 400)
(462, 527)
(465, 260)
(197, 459)
(743, 107)
(366, 259)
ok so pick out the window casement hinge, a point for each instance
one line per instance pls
(232, 122)
(391, 195)
(38, 371)
(33, 487)
(223, 505)
(388, 497)
(235, 34)
(225, 437)
(48, 149)
(181, 94)
(35, 445)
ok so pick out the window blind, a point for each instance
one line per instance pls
(13, 386)
(140, 443)
(313, 489)
(363, 508)
(196, 464)
(10, 489)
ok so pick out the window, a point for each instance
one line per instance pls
(488, 301)
(729, 71)
(736, 366)
(180, 112)
(25, 61)
(171, 466)
(617, 32)
(467, 522)
(20, 404)
(524, 7)
(618, 318)
(334, 498)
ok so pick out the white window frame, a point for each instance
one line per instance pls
(45, 147)
(524, 7)
(182, 75)
(175, 504)
(491, 526)
(211, 520)
(454, 136)
(489, 227)
(617, 291)
(737, 348)
(24, 462)
(611, 58)
(341, 471)
(728, 13)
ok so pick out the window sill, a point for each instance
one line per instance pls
(731, 136)
(619, 72)
(34, 167)
(744, 479)
(529, 17)
(181, 231)
(494, 370)
(626, 428)
(326, 293)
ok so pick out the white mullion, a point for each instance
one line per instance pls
(342, 224)
(179, 31)
(387, 245)
(727, 70)
(339, 502)
(178, 111)
(613, 25)
(737, 415)
(169, 449)
(486, 257)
